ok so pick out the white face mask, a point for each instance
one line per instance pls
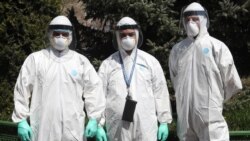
(128, 43)
(192, 29)
(60, 43)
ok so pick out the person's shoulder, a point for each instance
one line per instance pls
(76, 53)
(33, 57)
(147, 57)
(177, 46)
(36, 54)
(80, 58)
(112, 57)
(218, 43)
(79, 55)
(215, 39)
(181, 43)
(144, 54)
(111, 61)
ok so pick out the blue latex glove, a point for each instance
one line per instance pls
(91, 128)
(162, 134)
(24, 131)
(100, 134)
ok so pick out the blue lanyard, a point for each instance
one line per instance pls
(128, 81)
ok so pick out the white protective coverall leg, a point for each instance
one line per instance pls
(148, 87)
(56, 82)
(204, 76)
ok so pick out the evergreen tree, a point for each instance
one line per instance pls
(23, 25)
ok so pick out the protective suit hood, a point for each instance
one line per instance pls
(195, 9)
(127, 23)
(62, 41)
(61, 20)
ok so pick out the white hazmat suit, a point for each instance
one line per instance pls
(148, 87)
(204, 76)
(56, 82)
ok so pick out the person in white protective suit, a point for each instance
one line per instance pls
(50, 89)
(134, 78)
(204, 76)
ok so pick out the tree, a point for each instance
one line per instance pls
(22, 29)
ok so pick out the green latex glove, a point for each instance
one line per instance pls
(162, 132)
(24, 131)
(91, 128)
(100, 134)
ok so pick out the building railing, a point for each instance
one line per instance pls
(8, 132)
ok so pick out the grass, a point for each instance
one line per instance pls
(237, 110)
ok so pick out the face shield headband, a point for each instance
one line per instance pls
(123, 27)
(196, 13)
(64, 27)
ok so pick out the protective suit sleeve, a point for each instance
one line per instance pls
(93, 94)
(102, 72)
(23, 90)
(172, 69)
(161, 94)
(229, 74)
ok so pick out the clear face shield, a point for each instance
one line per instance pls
(61, 37)
(134, 32)
(197, 16)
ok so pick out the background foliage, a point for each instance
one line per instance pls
(23, 27)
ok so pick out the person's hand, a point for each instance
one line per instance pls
(24, 131)
(91, 128)
(162, 134)
(100, 134)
